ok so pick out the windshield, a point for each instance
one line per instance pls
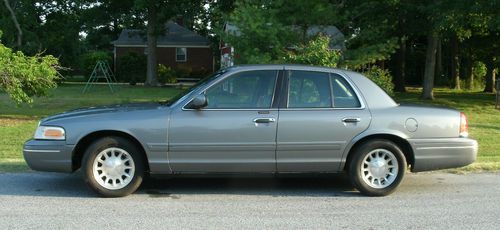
(201, 83)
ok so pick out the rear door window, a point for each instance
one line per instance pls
(308, 89)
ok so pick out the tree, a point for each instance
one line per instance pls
(103, 22)
(432, 13)
(430, 67)
(261, 35)
(266, 29)
(370, 28)
(157, 13)
(24, 77)
(47, 26)
(16, 23)
(470, 29)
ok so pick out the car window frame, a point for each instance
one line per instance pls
(349, 85)
(317, 72)
(283, 105)
(275, 96)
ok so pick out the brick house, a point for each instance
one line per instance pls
(178, 48)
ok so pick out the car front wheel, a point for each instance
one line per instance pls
(113, 167)
(377, 167)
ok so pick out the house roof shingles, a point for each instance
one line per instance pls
(175, 35)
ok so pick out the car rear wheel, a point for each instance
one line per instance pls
(377, 167)
(113, 167)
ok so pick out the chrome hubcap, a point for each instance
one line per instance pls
(113, 168)
(380, 168)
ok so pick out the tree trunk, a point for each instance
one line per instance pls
(490, 76)
(455, 63)
(469, 73)
(16, 23)
(439, 62)
(399, 77)
(152, 66)
(430, 67)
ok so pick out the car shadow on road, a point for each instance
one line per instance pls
(315, 186)
(72, 185)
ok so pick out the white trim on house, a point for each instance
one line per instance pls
(165, 46)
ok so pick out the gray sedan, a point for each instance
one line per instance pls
(263, 119)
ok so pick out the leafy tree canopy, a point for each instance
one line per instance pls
(24, 77)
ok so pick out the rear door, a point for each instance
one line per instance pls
(321, 113)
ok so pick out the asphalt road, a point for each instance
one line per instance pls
(424, 201)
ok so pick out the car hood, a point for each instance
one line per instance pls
(104, 110)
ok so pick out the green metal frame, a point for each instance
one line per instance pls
(101, 71)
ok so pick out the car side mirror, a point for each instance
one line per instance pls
(198, 102)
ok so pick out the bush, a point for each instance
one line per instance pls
(382, 78)
(132, 68)
(479, 71)
(90, 59)
(166, 74)
(316, 52)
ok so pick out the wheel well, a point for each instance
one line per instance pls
(400, 142)
(82, 145)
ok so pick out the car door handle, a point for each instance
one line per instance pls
(262, 120)
(351, 119)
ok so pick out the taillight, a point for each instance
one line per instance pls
(464, 125)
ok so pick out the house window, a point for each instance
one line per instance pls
(180, 54)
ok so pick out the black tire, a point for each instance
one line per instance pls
(119, 143)
(359, 172)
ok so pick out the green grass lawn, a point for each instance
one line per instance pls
(17, 124)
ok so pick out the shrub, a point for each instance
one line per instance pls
(132, 68)
(382, 78)
(479, 71)
(316, 52)
(90, 59)
(166, 74)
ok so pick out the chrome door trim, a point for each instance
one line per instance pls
(42, 150)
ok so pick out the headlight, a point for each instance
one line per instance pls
(50, 133)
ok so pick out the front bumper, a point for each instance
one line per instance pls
(50, 156)
(442, 153)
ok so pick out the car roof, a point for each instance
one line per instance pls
(281, 66)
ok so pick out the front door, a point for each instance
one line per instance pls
(235, 132)
(322, 113)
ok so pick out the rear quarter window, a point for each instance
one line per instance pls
(343, 94)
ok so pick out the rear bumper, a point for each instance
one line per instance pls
(50, 156)
(442, 153)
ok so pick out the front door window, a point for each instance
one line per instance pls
(245, 90)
